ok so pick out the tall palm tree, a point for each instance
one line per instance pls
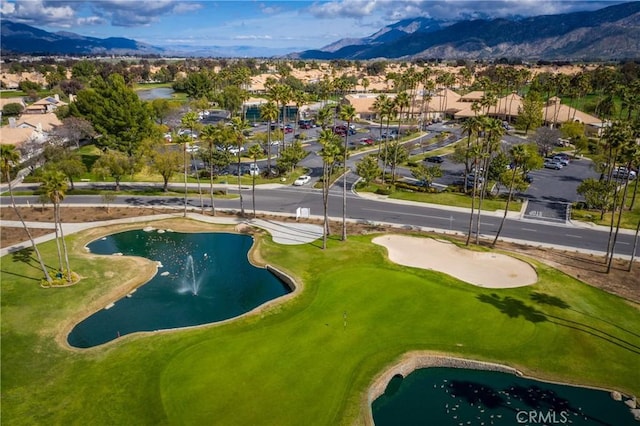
(330, 151)
(280, 94)
(629, 152)
(269, 113)
(616, 137)
(209, 134)
(239, 126)
(184, 141)
(255, 151)
(380, 105)
(54, 184)
(493, 132)
(190, 121)
(347, 113)
(401, 101)
(10, 157)
(390, 110)
(519, 155)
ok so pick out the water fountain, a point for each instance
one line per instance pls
(189, 282)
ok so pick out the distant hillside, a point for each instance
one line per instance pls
(609, 33)
(25, 39)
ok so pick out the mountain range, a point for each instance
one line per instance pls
(609, 33)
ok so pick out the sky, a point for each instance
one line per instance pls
(295, 25)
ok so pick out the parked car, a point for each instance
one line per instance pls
(306, 124)
(234, 150)
(528, 178)
(552, 164)
(366, 141)
(254, 169)
(302, 180)
(623, 173)
(434, 159)
(561, 159)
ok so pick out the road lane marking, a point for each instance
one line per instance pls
(407, 214)
(528, 229)
(573, 236)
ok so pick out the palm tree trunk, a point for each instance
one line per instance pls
(64, 247)
(615, 235)
(213, 206)
(609, 252)
(56, 223)
(240, 185)
(26, 228)
(506, 207)
(325, 204)
(635, 192)
(635, 245)
(253, 187)
(344, 186)
(195, 163)
(185, 179)
(269, 147)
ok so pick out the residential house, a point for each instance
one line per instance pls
(45, 105)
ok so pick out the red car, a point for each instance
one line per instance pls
(366, 141)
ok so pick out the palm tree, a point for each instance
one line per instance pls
(390, 109)
(269, 113)
(239, 126)
(616, 137)
(629, 152)
(184, 141)
(54, 184)
(493, 132)
(330, 151)
(209, 134)
(401, 101)
(347, 113)
(190, 120)
(519, 154)
(280, 94)
(254, 152)
(380, 106)
(9, 157)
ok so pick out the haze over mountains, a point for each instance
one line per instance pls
(609, 33)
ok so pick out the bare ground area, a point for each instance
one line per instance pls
(588, 268)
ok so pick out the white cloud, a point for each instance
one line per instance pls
(122, 13)
(38, 12)
(252, 37)
(344, 9)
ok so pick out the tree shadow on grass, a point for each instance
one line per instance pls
(515, 308)
(547, 299)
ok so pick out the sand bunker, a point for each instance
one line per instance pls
(484, 269)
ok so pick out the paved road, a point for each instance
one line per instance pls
(286, 199)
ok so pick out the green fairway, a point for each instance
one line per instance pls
(308, 359)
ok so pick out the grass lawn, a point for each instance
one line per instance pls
(454, 199)
(296, 360)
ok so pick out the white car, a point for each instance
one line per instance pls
(302, 180)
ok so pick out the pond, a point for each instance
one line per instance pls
(202, 278)
(456, 396)
(155, 93)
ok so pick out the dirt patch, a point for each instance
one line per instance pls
(586, 267)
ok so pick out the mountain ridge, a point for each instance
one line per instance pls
(537, 37)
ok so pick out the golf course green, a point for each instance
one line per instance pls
(308, 358)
